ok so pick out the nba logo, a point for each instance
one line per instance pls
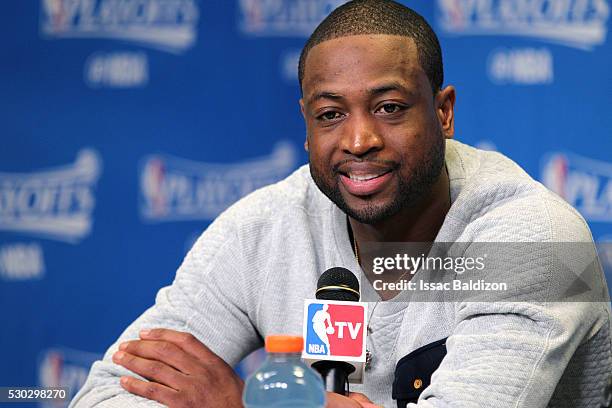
(334, 330)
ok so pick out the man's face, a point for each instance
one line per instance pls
(374, 138)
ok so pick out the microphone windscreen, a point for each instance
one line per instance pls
(338, 284)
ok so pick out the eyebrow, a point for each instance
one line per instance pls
(376, 91)
(324, 95)
(391, 86)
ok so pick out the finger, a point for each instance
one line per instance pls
(150, 390)
(185, 341)
(364, 401)
(163, 351)
(359, 397)
(150, 369)
(340, 401)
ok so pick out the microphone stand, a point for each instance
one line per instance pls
(335, 375)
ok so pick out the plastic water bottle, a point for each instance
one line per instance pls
(284, 380)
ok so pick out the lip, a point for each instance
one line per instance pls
(365, 187)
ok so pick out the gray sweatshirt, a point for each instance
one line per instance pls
(248, 274)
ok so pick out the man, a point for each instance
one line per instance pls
(382, 169)
(322, 325)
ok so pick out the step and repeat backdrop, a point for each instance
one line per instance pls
(128, 125)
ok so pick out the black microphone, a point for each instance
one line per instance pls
(337, 284)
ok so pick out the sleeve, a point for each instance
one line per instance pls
(212, 296)
(512, 350)
(510, 354)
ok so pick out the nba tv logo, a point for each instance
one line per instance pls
(334, 329)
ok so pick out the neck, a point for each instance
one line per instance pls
(417, 223)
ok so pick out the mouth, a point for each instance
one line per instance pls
(365, 183)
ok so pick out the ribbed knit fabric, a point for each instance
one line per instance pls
(248, 274)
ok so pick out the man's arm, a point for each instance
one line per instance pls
(513, 354)
(212, 297)
(511, 349)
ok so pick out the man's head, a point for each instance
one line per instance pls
(376, 117)
(381, 17)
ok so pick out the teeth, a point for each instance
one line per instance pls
(363, 177)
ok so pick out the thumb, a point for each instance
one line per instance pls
(363, 401)
(340, 401)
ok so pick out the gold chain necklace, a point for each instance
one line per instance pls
(355, 247)
(368, 362)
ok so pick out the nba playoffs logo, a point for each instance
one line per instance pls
(334, 329)
(174, 189)
(57, 203)
(61, 367)
(585, 183)
(285, 18)
(573, 23)
(168, 25)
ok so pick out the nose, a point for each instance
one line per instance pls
(361, 136)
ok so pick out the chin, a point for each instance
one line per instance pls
(369, 213)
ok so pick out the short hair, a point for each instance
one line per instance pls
(381, 17)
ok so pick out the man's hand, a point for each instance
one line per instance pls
(182, 372)
(354, 400)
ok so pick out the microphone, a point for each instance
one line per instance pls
(334, 329)
(338, 284)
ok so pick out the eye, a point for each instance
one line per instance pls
(389, 108)
(329, 116)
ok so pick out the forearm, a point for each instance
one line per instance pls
(508, 355)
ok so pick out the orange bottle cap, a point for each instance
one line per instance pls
(284, 344)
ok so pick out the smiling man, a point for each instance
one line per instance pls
(382, 169)
(376, 127)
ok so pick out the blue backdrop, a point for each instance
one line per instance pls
(128, 125)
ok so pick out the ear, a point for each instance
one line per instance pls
(304, 116)
(445, 110)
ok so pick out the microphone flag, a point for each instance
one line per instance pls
(336, 331)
